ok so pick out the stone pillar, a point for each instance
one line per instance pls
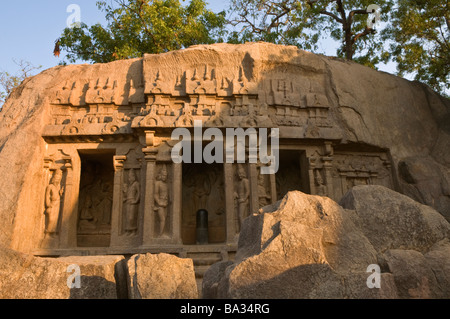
(327, 165)
(273, 187)
(230, 209)
(311, 167)
(117, 207)
(69, 216)
(253, 179)
(177, 202)
(45, 242)
(149, 214)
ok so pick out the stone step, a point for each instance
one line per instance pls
(206, 261)
(200, 271)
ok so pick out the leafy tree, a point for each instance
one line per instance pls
(10, 81)
(419, 31)
(135, 27)
(304, 22)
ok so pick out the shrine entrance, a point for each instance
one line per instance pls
(293, 173)
(203, 188)
(95, 198)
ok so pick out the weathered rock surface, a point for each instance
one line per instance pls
(392, 221)
(427, 182)
(311, 247)
(366, 107)
(161, 276)
(24, 276)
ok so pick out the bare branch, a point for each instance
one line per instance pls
(335, 17)
(362, 34)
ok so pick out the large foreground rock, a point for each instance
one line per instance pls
(392, 221)
(161, 276)
(427, 182)
(24, 276)
(311, 247)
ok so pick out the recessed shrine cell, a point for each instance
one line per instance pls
(292, 174)
(95, 198)
(203, 188)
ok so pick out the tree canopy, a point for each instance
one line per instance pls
(419, 37)
(305, 22)
(412, 33)
(135, 27)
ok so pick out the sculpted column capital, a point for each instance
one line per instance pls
(118, 162)
(48, 162)
(150, 154)
(67, 162)
(149, 138)
(150, 151)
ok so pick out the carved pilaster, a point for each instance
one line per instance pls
(229, 200)
(327, 166)
(68, 237)
(116, 220)
(150, 174)
(253, 178)
(311, 167)
(177, 203)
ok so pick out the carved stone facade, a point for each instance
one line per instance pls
(113, 186)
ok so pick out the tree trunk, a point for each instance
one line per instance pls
(348, 43)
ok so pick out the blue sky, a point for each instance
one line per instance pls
(29, 30)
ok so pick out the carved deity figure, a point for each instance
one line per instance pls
(53, 195)
(105, 204)
(131, 200)
(242, 196)
(263, 196)
(321, 189)
(161, 198)
(201, 191)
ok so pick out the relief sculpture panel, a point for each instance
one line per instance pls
(132, 197)
(162, 200)
(242, 195)
(350, 170)
(53, 195)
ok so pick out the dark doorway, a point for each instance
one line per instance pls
(292, 174)
(95, 198)
(203, 188)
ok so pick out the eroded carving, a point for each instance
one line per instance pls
(242, 196)
(53, 194)
(264, 197)
(350, 170)
(161, 199)
(132, 197)
(321, 188)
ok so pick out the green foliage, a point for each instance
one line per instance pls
(419, 31)
(412, 33)
(135, 27)
(305, 22)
